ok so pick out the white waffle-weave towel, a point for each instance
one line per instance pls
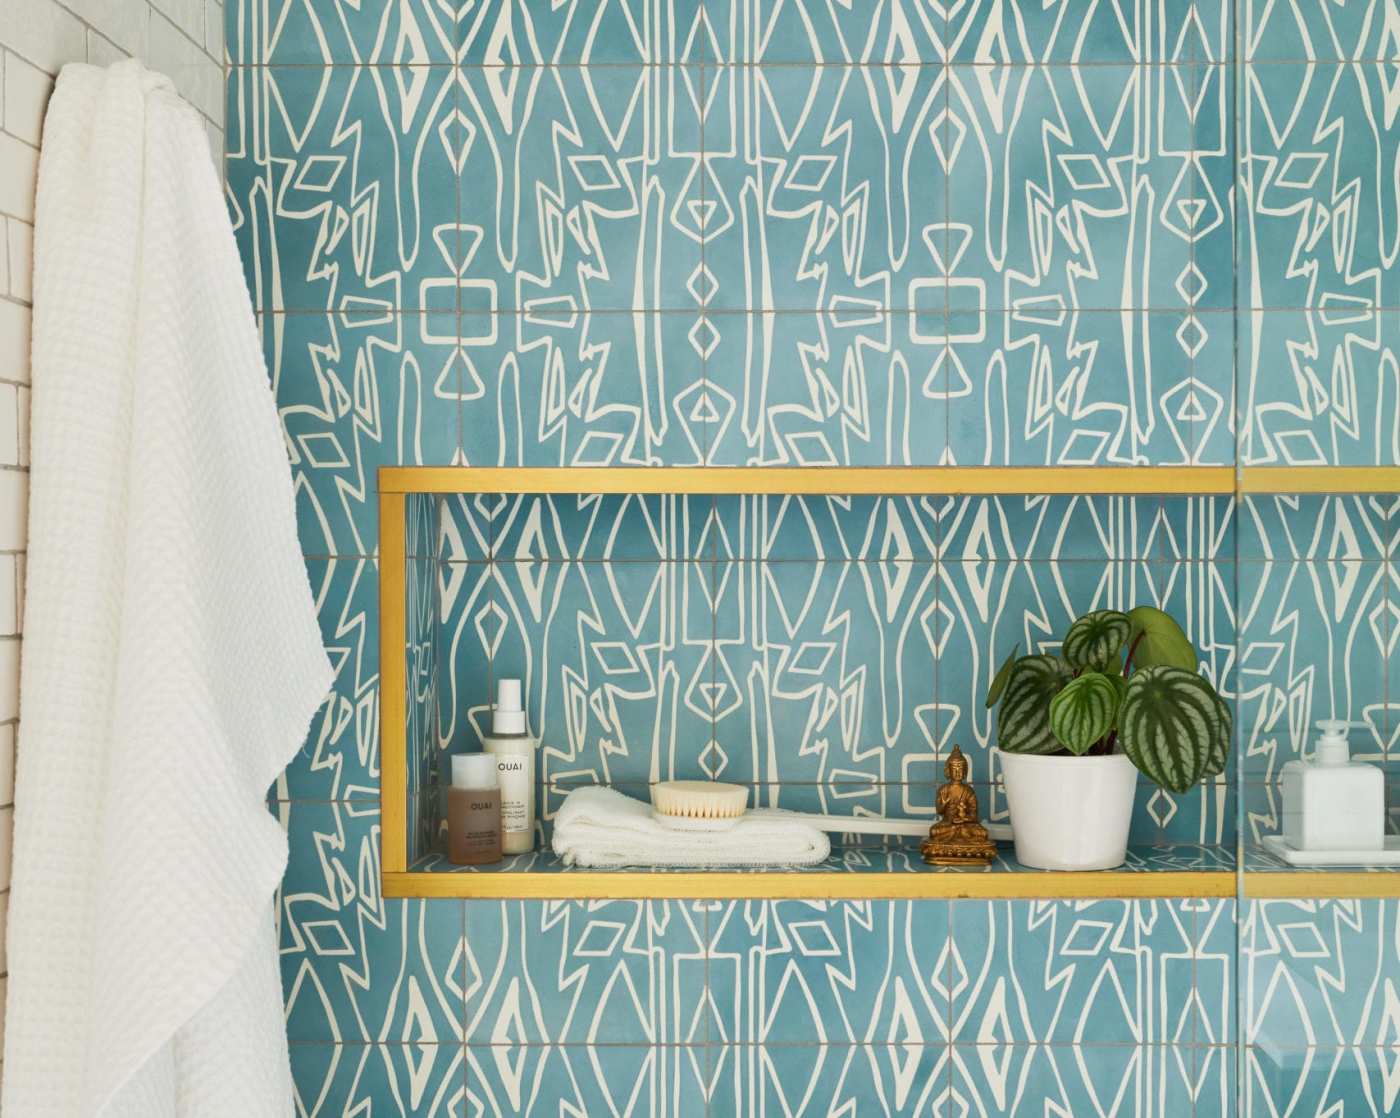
(600, 827)
(172, 660)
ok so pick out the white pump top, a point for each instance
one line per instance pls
(474, 770)
(509, 715)
(1332, 748)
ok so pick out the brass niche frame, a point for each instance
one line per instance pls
(396, 483)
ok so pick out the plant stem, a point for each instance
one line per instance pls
(1132, 648)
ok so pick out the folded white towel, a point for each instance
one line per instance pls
(599, 827)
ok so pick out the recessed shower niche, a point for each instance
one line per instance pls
(825, 637)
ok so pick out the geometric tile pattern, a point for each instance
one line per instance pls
(522, 1007)
(1318, 602)
(827, 652)
(677, 232)
(1319, 982)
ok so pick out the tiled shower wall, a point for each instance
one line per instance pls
(826, 652)
(702, 231)
(182, 38)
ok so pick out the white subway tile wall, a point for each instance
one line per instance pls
(183, 38)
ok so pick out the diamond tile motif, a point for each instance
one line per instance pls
(728, 232)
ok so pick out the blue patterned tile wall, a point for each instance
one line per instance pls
(827, 652)
(678, 232)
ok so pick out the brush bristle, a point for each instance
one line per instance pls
(699, 799)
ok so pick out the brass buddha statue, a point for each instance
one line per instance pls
(958, 839)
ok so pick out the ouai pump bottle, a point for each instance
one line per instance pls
(514, 749)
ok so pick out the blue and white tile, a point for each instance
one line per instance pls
(609, 527)
(579, 189)
(1206, 411)
(358, 967)
(1184, 529)
(1319, 974)
(356, 392)
(585, 972)
(1098, 217)
(504, 1081)
(518, 33)
(1028, 31)
(347, 184)
(826, 186)
(326, 32)
(1216, 1085)
(1074, 972)
(470, 626)
(828, 972)
(809, 1080)
(1324, 528)
(1389, 633)
(1209, 101)
(989, 530)
(750, 31)
(1312, 643)
(824, 671)
(782, 527)
(1081, 388)
(562, 387)
(247, 181)
(466, 526)
(340, 758)
(399, 1080)
(1291, 187)
(996, 1079)
(1317, 388)
(1216, 952)
(614, 658)
(1349, 1081)
(854, 386)
(425, 766)
(1298, 32)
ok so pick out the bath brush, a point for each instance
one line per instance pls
(710, 805)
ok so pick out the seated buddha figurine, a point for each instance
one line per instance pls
(958, 839)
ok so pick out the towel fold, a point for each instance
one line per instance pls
(599, 827)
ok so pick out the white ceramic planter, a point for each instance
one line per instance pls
(1069, 813)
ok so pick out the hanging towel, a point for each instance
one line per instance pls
(600, 827)
(171, 660)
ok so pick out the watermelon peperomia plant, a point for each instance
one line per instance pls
(1125, 681)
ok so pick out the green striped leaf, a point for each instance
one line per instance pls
(1023, 719)
(1095, 639)
(1083, 712)
(999, 680)
(1220, 744)
(1171, 724)
(1158, 639)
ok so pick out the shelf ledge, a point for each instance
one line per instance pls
(776, 886)
(892, 481)
(852, 873)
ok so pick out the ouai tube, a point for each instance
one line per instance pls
(514, 749)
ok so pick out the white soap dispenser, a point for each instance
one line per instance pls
(1333, 802)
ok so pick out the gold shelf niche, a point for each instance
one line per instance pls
(530, 881)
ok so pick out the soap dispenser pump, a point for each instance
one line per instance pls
(1333, 802)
